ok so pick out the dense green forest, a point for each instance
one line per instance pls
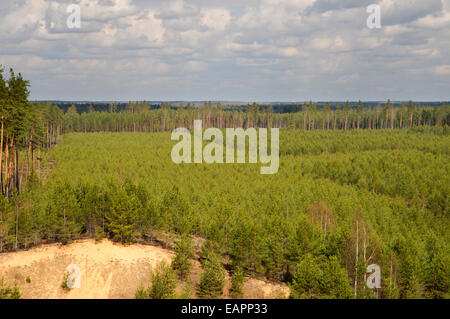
(356, 186)
(29, 129)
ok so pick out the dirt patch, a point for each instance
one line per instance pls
(108, 270)
(260, 289)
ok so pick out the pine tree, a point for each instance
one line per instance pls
(306, 281)
(163, 282)
(237, 282)
(184, 252)
(212, 279)
(123, 214)
(4, 95)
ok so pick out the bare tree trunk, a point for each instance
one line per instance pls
(28, 159)
(1, 160)
(16, 164)
(7, 167)
(17, 222)
(39, 163)
(390, 279)
(32, 151)
(392, 117)
(356, 259)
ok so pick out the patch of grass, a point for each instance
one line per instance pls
(7, 292)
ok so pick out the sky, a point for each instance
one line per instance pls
(229, 50)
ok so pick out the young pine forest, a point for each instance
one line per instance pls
(357, 185)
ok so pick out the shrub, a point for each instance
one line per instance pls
(141, 293)
(184, 252)
(99, 235)
(320, 277)
(212, 279)
(65, 284)
(163, 282)
(7, 292)
(237, 283)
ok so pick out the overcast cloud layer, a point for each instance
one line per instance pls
(263, 50)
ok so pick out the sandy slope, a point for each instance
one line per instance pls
(108, 270)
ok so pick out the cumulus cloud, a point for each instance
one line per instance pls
(211, 49)
(328, 5)
(443, 69)
(404, 11)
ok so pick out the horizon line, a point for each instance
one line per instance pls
(238, 101)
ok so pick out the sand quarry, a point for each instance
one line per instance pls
(108, 271)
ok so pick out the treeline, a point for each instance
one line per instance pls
(140, 117)
(26, 129)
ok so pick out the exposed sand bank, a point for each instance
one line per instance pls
(108, 270)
